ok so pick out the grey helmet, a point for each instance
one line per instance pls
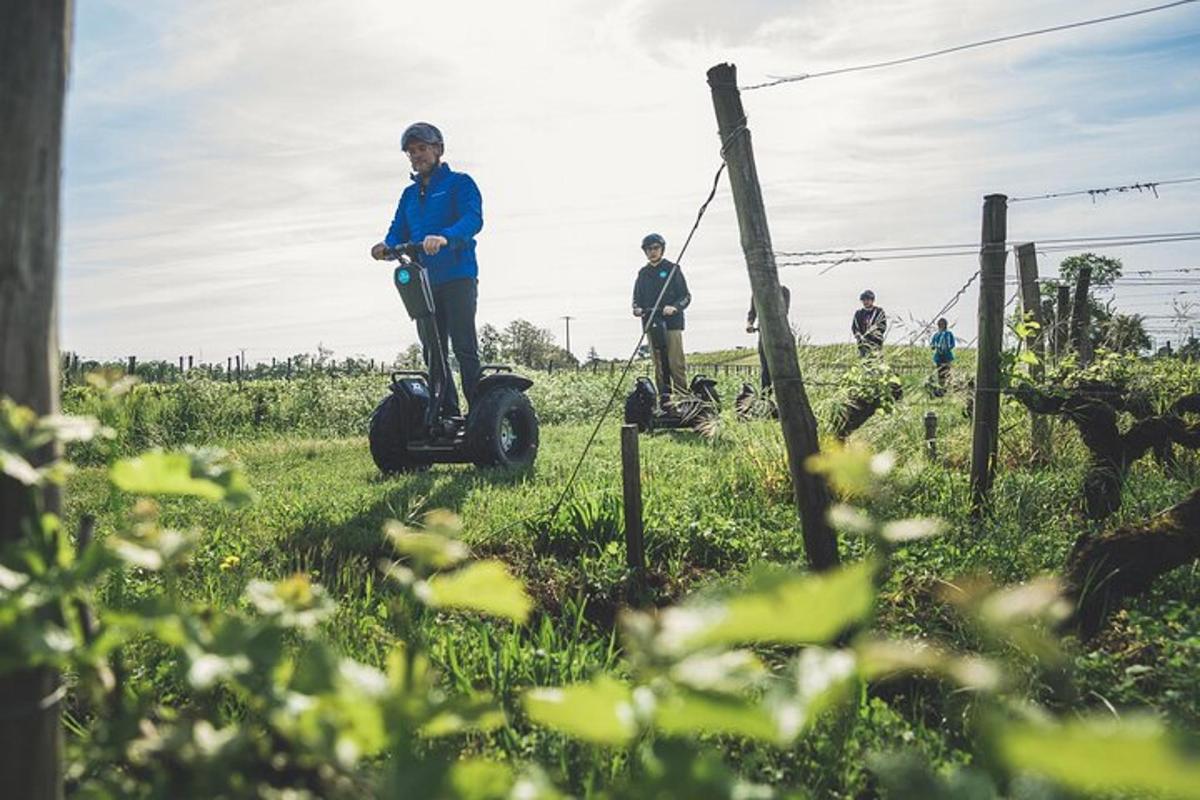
(422, 132)
(653, 238)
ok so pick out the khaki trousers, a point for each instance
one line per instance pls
(678, 365)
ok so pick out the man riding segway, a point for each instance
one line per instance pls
(433, 237)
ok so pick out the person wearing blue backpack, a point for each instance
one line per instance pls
(942, 344)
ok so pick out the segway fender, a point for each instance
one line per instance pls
(501, 379)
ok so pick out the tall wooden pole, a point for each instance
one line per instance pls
(795, 414)
(1081, 316)
(992, 255)
(34, 47)
(1031, 302)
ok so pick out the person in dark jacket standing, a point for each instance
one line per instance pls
(752, 318)
(651, 279)
(442, 210)
(869, 326)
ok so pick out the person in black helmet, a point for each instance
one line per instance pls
(657, 273)
(442, 210)
(869, 326)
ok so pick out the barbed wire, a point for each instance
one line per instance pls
(1148, 186)
(959, 48)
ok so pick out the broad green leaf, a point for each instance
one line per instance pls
(851, 468)
(820, 678)
(485, 586)
(1103, 755)
(884, 658)
(158, 472)
(601, 712)
(687, 713)
(477, 779)
(16, 467)
(802, 609)
(430, 550)
(295, 602)
(907, 530)
(729, 672)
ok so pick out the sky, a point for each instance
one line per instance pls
(228, 165)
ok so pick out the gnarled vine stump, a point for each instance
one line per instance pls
(1106, 568)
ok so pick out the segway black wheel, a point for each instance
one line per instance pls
(388, 436)
(502, 429)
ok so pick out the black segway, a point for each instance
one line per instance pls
(653, 408)
(409, 429)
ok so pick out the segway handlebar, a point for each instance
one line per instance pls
(410, 249)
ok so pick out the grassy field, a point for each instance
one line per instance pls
(717, 509)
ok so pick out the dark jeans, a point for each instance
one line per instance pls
(454, 308)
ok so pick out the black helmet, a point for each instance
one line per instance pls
(867, 295)
(422, 132)
(652, 239)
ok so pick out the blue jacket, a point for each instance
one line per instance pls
(942, 345)
(448, 206)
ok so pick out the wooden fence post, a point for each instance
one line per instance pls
(985, 435)
(931, 424)
(795, 414)
(1031, 302)
(1062, 318)
(1080, 317)
(33, 71)
(132, 370)
(631, 484)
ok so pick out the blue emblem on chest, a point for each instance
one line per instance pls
(404, 276)
(662, 273)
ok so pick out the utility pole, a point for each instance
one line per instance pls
(34, 55)
(796, 416)
(568, 319)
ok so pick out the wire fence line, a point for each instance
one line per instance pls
(895, 62)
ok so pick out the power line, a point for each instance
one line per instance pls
(958, 48)
(1149, 186)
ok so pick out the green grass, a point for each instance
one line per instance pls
(715, 509)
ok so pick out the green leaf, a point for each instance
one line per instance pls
(687, 713)
(194, 473)
(485, 586)
(16, 467)
(1103, 755)
(820, 678)
(601, 712)
(477, 779)
(809, 609)
(429, 550)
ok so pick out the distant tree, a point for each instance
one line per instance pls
(491, 342)
(1124, 333)
(1105, 270)
(592, 355)
(411, 357)
(527, 344)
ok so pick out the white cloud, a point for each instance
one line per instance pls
(229, 176)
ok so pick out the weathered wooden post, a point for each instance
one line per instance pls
(931, 425)
(1062, 321)
(1081, 339)
(190, 362)
(132, 369)
(631, 484)
(1031, 303)
(985, 435)
(34, 50)
(795, 414)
